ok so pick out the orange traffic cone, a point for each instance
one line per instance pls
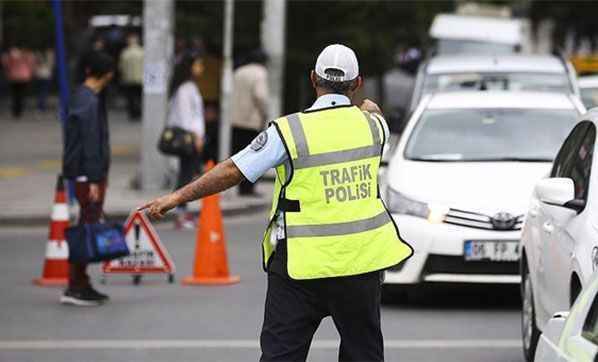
(56, 267)
(211, 264)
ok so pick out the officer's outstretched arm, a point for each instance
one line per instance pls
(223, 176)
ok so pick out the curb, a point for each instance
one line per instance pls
(40, 220)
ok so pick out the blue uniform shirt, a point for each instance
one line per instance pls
(267, 150)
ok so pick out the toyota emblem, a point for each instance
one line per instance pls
(503, 221)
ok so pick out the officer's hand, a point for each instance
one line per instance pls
(370, 106)
(157, 208)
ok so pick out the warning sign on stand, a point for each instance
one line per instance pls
(148, 255)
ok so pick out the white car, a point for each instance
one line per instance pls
(588, 87)
(560, 238)
(545, 73)
(573, 336)
(459, 181)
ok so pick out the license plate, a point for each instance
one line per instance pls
(479, 250)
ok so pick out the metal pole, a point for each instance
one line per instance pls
(227, 80)
(1, 24)
(61, 64)
(158, 52)
(63, 78)
(273, 42)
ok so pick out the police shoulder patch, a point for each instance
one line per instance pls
(259, 142)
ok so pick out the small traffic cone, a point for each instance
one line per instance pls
(56, 267)
(211, 264)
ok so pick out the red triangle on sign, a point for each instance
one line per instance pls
(148, 254)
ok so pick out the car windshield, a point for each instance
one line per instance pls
(589, 96)
(458, 46)
(523, 81)
(462, 135)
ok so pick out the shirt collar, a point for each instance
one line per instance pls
(330, 100)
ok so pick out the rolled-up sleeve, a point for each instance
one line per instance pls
(263, 153)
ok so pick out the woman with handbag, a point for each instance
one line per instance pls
(186, 112)
(86, 160)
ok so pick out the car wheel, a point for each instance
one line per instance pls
(529, 331)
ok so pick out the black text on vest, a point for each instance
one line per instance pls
(347, 183)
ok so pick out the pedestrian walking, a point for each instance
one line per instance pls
(86, 161)
(131, 71)
(249, 106)
(44, 70)
(19, 66)
(186, 111)
(330, 236)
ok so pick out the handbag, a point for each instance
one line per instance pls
(175, 141)
(91, 243)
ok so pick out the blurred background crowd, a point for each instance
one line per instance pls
(391, 38)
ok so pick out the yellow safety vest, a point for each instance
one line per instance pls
(335, 222)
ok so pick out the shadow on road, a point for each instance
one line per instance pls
(430, 296)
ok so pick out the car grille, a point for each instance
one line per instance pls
(457, 265)
(500, 222)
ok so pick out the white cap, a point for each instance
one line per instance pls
(338, 57)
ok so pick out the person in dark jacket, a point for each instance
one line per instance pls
(86, 161)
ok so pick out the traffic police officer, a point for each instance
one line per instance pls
(330, 236)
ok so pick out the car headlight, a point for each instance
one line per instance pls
(401, 204)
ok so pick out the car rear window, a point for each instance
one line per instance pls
(489, 134)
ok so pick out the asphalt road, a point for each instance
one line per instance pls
(157, 321)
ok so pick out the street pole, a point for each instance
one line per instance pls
(227, 80)
(273, 43)
(61, 64)
(1, 24)
(62, 77)
(158, 49)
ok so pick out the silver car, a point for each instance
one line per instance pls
(546, 73)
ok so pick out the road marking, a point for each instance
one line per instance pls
(244, 343)
(49, 165)
(10, 172)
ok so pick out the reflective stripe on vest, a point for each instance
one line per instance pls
(304, 159)
(343, 228)
(340, 226)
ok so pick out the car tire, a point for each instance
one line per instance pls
(529, 330)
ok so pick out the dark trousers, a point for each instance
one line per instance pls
(89, 212)
(241, 138)
(133, 94)
(17, 93)
(294, 309)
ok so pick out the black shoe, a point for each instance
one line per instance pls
(81, 298)
(101, 296)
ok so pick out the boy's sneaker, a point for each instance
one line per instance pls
(81, 297)
(101, 296)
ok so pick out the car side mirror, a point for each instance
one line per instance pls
(555, 326)
(559, 191)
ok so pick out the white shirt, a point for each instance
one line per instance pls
(186, 109)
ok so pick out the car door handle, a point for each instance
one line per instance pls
(548, 227)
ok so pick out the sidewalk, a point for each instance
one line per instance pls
(30, 154)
